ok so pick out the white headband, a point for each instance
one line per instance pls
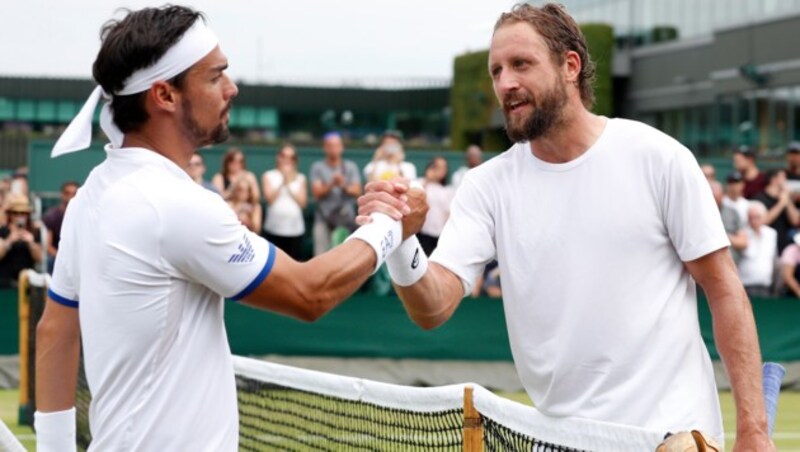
(197, 42)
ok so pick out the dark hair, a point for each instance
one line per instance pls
(228, 158)
(431, 163)
(772, 174)
(136, 42)
(70, 183)
(562, 34)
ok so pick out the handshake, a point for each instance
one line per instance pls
(399, 199)
(390, 213)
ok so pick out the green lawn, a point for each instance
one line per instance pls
(786, 435)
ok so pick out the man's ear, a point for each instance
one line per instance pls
(163, 96)
(573, 65)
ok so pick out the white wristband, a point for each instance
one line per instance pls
(384, 236)
(55, 431)
(408, 264)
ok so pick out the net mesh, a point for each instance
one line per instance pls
(275, 417)
(498, 437)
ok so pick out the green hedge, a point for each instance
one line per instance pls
(600, 39)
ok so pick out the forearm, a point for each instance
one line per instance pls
(793, 213)
(737, 341)
(790, 280)
(57, 356)
(432, 300)
(353, 190)
(774, 212)
(307, 291)
(36, 251)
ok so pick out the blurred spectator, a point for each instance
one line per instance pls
(197, 169)
(782, 214)
(246, 206)
(793, 170)
(790, 268)
(757, 264)
(488, 283)
(234, 166)
(19, 241)
(390, 159)
(744, 161)
(53, 219)
(474, 157)
(709, 171)
(286, 192)
(389, 162)
(793, 161)
(335, 184)
(734, 188)
(734, 226)
(19, 182)
(439, 198)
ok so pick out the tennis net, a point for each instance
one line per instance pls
(286, 408)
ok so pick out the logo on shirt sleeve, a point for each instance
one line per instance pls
(245, 254)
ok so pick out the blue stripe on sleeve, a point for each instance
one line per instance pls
(260, 277)
(61, 300)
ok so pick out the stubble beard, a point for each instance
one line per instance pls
(195, 132)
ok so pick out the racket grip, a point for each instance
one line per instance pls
(772, 376)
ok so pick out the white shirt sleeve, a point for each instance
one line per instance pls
(467, 244)
(204, 242)
(691, 216)
(63, 287)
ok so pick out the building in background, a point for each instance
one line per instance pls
(302, 112)
(714, 74)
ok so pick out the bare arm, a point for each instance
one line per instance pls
(433, 299)
(738, 240)
(257, 218)
(737, 342)
(353, 189)
(320, 189)
(219, 184)
(788, 278)
(776, 210)
(308, 290)
(57, 354)
(270, 194)
(301, 194)
(792, 212)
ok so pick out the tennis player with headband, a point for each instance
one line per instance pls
(147, 255)
(601, 227)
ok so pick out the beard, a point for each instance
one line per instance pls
(199, 135)
(545, 116)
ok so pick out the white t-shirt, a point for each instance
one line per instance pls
(601, 312)
(284, 216)
(147, 255)
(757, 263)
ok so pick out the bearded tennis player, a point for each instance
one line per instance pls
(601, 227)
(147, 255)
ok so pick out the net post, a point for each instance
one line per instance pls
(473, 427)
(24, 309)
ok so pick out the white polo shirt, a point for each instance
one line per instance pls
(600, 309)
(148, 255)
